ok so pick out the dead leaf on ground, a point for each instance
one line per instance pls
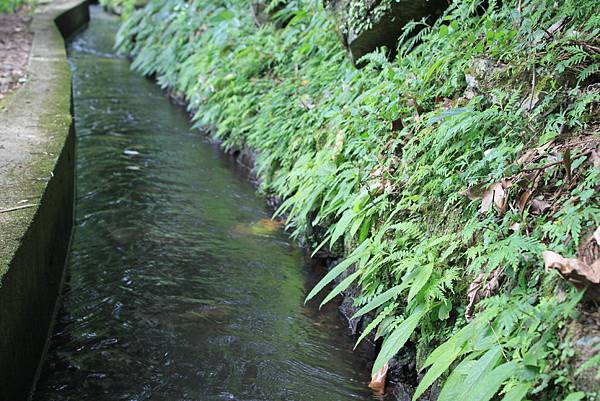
(377, 383)
(576, 271)
(480, 289)
(523, 200)
(497, 195)
(589, 248)
(531, 154)
(539, 205)
(567, 163)
(473, 193)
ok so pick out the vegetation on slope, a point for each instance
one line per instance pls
(442, 175)
(122, 7)
(9, 6)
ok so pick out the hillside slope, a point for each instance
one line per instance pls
(459, 181)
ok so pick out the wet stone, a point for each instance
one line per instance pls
(367, 25)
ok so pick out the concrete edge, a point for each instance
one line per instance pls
(38, 166)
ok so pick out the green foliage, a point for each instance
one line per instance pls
(391, 199)
(122, 7)
(9, 6)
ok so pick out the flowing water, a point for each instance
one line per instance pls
(178, 286)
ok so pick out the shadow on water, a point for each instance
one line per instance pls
(177, 288)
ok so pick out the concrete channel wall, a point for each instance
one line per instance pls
(37, 157)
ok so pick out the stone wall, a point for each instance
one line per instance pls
(36, 197)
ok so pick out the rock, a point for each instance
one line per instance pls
(585, 333)
(347, 307)
(403, 366)
(402, 392)
(365, 25)
(262, 14)
(475, 76)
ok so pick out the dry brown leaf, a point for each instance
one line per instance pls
(539, 205)
(526, 157)
(473, 193)
(523, 200)
(496, 194)
(589, 248)
(378, 380)
(479, 289)
(567, 163)
(578, 272)
(531, 154)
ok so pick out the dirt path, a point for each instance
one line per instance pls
(15, 46)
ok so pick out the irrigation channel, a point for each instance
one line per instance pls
(178, 287)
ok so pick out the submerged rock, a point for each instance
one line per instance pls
(366, 25)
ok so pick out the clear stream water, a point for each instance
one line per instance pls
(177, 286)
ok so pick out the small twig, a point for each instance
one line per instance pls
(498, 341)
(528, 170)
(12, 209)
(532, 89)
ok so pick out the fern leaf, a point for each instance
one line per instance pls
(490, 383)
(518, 392)
(397, 339)
(379, 300)
(336, 271)
(340, 287)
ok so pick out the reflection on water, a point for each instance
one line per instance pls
(178, 287)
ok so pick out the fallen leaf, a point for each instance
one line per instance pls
(576, 271)
(539, 205)
(473, 193)
(523, 200)
(589, 248)
(480, 289)
(531, 154)
(526, 157)
(567, 163)
(378, 380)
(496, 194)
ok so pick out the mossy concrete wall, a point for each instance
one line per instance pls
(36, 197)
